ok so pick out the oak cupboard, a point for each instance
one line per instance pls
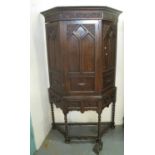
(81, 46)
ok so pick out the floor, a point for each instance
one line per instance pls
(113, 144)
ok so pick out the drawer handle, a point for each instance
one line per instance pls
(81, 84)
(105, 47)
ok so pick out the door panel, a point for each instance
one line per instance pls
(74, 54)
(81, 47)
(88, 54)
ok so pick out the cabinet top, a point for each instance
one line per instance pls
(81, 12)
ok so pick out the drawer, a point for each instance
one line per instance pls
(82, 84)
(108, 79)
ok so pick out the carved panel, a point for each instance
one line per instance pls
(108, 79)
(106, 27)
(55, 97)
(54, 56)
(53, 46)
(83, 105)
(80, 30)
(71, 28)
(109, 45)
(75, 15)
(51, 49)
(56, 84)
(81, 47)
(90, 28)
(80, 14)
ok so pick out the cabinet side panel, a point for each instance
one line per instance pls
(109, 54)
(54, 56)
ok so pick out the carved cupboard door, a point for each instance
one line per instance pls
(109, 53)
(82, 52)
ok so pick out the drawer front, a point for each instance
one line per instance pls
(82, 84)
(108, 79)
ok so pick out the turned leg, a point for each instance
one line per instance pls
(113, 115)
(67, 140)
(99, 144)
(99, 131)
(53, 117)
(99, 128)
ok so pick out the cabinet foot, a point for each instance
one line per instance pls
(98, 147)
(53, 126)
(67, 141)
(113, 125)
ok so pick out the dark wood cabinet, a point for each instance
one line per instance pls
(81, 45)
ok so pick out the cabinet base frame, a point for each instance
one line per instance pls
(89, 138)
